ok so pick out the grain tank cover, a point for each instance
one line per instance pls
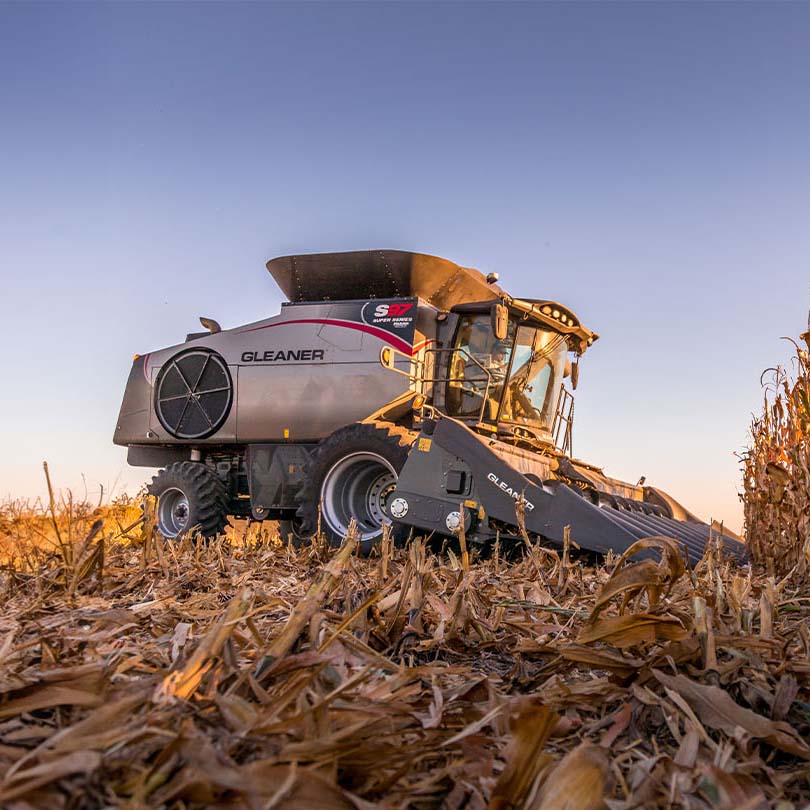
(380, 274)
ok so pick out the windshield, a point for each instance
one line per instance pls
(538, 366)
(513, 380)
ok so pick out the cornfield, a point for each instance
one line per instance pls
(245, 673)
(776, 476)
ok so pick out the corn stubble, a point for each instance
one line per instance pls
(245, 673)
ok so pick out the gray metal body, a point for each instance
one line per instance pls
(297, 376)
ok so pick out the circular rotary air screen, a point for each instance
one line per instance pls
(193, 394)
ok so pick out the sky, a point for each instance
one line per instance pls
(647, 164)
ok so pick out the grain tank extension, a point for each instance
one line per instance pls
(393, 387)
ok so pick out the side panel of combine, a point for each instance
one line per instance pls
(317, 367)
(132, 424)
(295, 377)
(186, 394)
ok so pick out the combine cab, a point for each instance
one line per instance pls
(393, 387)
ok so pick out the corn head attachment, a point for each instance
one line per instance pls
(454, 477)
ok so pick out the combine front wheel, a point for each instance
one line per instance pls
(353, 474)
(189, 495)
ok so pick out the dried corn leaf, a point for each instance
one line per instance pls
(715, 708)
(28, 780)
(530, 730)
(578, 781)
(630, 630)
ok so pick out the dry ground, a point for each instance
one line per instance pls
(136, 673)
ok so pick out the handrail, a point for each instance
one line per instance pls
(416, 374)
(448, 379)
(564, 416)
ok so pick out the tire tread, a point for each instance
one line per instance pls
(397, 438)
(201, 486)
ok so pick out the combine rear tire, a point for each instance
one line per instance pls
(352, 475)
(189, 495)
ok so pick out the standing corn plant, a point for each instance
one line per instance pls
(776, 475)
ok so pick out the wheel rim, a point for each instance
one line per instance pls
(358, 486)
(173, 512)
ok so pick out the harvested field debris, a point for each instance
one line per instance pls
(244, 673)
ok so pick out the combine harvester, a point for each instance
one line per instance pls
(393, 387)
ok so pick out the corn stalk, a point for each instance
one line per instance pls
(776, 472)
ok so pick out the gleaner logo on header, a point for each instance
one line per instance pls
(510, 491)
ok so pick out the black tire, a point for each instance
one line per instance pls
(189, 496)
(351, 474)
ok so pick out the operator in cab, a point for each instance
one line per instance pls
(479, 367)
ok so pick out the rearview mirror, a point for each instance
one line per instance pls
(500, 321)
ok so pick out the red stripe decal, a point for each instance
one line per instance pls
(380, 334)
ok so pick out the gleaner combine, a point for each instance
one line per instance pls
(393, 387)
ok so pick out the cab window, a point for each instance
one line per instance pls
(478, 369)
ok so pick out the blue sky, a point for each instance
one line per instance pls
(646, 164)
